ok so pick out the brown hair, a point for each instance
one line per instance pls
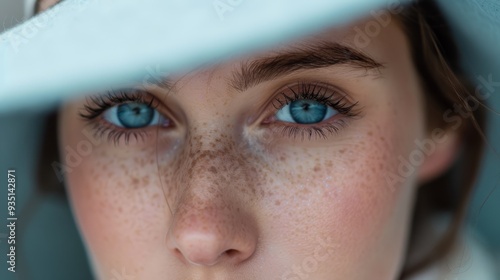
(436, 60)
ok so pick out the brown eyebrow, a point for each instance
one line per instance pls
(319, 55)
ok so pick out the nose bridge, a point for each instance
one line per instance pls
(212, 163)
(210, 222)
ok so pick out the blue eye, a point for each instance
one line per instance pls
(305, 111)
(132, 115)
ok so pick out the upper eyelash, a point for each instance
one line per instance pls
(318, 93)
(97, 104)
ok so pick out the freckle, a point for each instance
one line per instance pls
(213, 169)
(317, 168)
(277, 202)
(342, 151)
(370, 133)
(262, 192)
(305, 191)
(135, 181)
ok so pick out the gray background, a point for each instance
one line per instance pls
(50, 246)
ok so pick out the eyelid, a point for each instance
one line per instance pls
(97, 104)
(324, 93)
(328, 94)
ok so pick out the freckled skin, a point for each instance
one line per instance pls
(212, 200)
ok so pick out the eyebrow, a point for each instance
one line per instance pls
(318, 55)
(314, 56)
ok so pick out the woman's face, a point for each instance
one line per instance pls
(281, 165)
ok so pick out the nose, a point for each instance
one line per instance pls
(210, 222)
(207, 237)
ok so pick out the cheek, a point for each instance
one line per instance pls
(348, 181)
(118, 202)
(342, 195)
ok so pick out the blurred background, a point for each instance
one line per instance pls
(49, 246)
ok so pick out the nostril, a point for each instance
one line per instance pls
(178, 252)
(231, 253)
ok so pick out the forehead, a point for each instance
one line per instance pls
(42, 5)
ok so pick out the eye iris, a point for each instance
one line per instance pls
(307, 111)
(135, 115)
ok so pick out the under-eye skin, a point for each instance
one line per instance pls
(311, 110)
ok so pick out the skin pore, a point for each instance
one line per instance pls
(224, 186)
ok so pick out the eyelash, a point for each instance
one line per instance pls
(96, 105)
(323, 95)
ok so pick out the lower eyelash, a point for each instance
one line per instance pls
(311, 132)
(115, 135)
